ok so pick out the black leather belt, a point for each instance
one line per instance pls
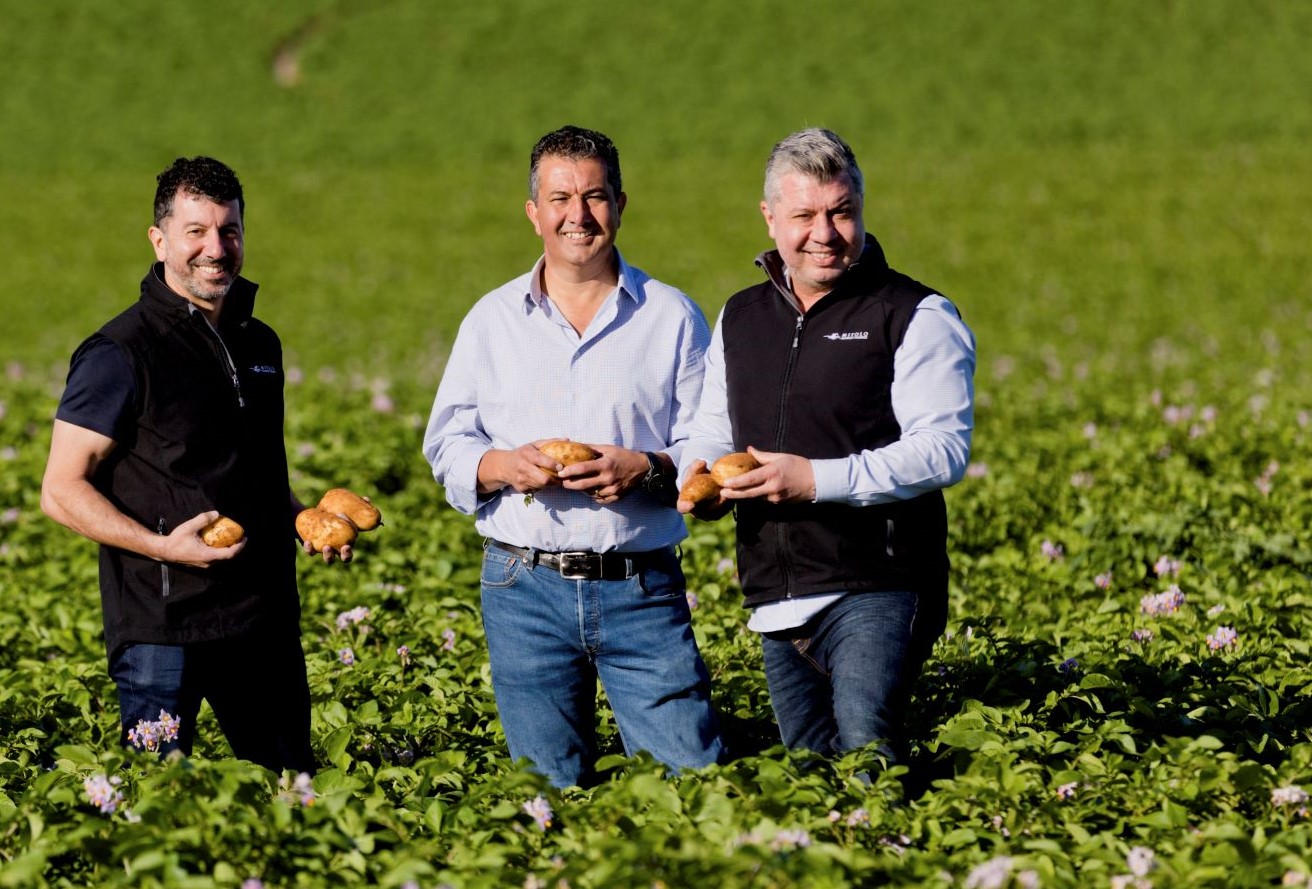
(583, 565)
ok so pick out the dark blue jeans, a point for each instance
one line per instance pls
(843, 680)
(550, 639)
(255, 684)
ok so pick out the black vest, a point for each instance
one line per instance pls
(208, 435)
(819, 385)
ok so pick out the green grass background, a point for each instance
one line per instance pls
(1084, 179)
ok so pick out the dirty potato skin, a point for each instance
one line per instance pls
(733, 465)
(321, 529)
(222, 532)
(699, 487)
(357, 510)
(566, 453)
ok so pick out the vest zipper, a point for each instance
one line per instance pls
(785, 556)
(229, 366)
(163, 566)
(888, 539)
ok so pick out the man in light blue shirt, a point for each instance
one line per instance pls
(852, 384)
(580, 579)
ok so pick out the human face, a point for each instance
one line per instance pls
(201, 246)
(817, 229)
(576, 214)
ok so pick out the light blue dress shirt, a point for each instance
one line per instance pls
(518, 372)
(933, 396)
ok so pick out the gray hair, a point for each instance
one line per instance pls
(818, 153)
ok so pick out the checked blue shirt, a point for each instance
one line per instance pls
(518, 372)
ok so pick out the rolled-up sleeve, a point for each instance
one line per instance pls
(455, 441)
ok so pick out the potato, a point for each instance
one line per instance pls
(322, 529)
(731, 465)
(699, 487)
(222, 532)
(359, 511)
(566, 453)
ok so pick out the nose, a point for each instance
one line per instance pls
(579, 210)
(214, 246)
(823, 230)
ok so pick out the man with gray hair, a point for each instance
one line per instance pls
(852, 385)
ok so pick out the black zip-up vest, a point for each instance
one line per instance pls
(208, 435)
(820, 385)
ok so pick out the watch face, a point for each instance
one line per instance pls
(651, 482)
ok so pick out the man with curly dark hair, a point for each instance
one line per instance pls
(173, 416)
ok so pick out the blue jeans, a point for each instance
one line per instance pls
(550, 639)
(255, 684)
(843, 680)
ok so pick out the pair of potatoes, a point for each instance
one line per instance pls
(335, 522)
(338, 519)
(706, 485)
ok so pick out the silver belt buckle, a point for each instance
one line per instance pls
(576, 565)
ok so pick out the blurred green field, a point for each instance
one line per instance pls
(1083, 179)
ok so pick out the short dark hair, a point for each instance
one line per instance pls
(202, 176)
(576, 144)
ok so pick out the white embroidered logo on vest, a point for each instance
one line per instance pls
(852, 335)
(264, 369)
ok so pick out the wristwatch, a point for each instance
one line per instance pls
(658, 482)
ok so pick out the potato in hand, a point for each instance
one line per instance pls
(566, 453)
(733, 465)
(359, 511)
(222, 532)
(322, 529)
(699, 487)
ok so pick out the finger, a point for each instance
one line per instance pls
(195, 523)
(347, 553)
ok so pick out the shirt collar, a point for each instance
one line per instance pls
(770, 262)
(535, 297)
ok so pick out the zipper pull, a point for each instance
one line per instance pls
(797, 331)
(236, 384)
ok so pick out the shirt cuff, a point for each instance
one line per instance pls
(462, 480)
(831, 482)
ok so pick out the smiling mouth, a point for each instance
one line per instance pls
(578, 236)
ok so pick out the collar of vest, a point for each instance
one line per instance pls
(237, 305)
(869, 268)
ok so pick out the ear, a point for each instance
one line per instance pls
(620, 203)
(531, 210)
(156, 236)
(769, 219)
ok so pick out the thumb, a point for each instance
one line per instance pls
(193, 525)
(763, 457)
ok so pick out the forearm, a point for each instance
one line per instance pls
(908, 468)
(78, 506)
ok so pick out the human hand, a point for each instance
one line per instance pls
(525, 469)
(609, 477)
(707, 508)
(183, 545)
(781, 478)
(330, 553)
